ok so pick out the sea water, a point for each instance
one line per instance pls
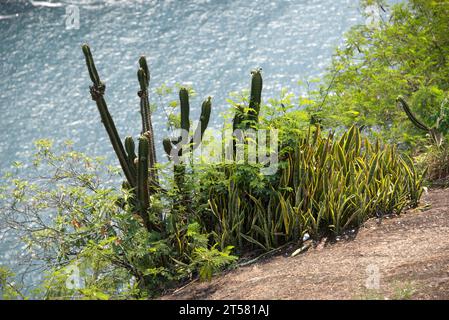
(209, 44)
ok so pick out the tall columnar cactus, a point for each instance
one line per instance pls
(97, 92)
(185, 109)
(143, 75)
(139, 166)
(175, 147)
(434, 132)
(245, 120)
(131, 155)
(142, 179)
(255, 95)
(242, 119)
(206, 108)
(139, 169)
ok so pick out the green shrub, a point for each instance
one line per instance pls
(69, 215)
(405, 55)
(436, 161)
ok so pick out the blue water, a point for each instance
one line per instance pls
(212, 45)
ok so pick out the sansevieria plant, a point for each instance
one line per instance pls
(326, 185)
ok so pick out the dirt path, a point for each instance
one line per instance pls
(410, 253)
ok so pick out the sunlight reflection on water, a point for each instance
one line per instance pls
(211, 44)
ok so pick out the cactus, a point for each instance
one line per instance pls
(139, 170)
(434, 132)
(411, 116)
(97, 91)
(131, 155)
(239, 117)
(142, 180)
(185, 109)
(143, 75)
(255, 95)
(206, 109)
(176, 144)
(244, 120)
(167, 144)
(139, 166)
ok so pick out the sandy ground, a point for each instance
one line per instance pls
(398, 258)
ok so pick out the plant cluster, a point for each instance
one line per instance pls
(325, 185)
(341, 161)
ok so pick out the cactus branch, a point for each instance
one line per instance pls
(175, 145)
(239, 117)
(435, 135)
(142, 181)
(143, 95)
(242, 119)
(185, 109)
(206, 109)
(411, 116)
(143, 64)
(167, 147)
(131, 155)
(143, 75)
(91, 65)
(151, 159)
(97, 92)
(255, 95)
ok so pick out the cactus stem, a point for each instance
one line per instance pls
(97, 91)
(143, 75)
(206, 109)
(411, 116)
(142, 180)
(255, 95)
(130, 150)
(185, 109)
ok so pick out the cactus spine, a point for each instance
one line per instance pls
(436, 136)
(97, 91)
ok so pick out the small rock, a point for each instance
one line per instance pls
(301, 250)
(306, 237)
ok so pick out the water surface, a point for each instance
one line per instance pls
(212, 45)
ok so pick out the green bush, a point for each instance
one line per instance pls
(406, 54)
(69, 215)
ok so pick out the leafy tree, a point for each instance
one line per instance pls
(406, 53)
